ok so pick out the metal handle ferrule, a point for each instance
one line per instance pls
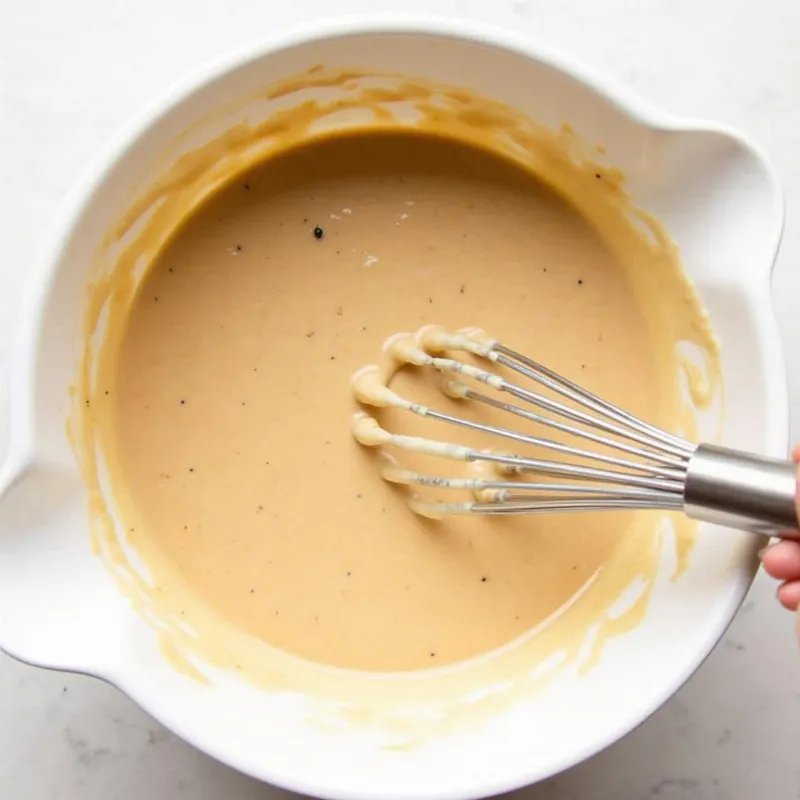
(740, 490)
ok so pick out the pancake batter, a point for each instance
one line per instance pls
(232, 407)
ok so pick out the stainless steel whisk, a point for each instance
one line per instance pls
(649, 468)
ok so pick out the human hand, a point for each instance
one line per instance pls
(782, 561)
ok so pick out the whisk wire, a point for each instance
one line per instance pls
(552, 491)
(623, 430)
(549, 444)
(659, 458)
(567, 388)
(561, 506)
(559, 469)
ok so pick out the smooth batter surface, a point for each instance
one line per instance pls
(232, 403)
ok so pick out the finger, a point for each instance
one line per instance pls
(796, 453)
(782, 560)
(789, 595)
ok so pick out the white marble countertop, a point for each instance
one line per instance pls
(73, 72)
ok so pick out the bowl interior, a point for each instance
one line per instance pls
(59, 606)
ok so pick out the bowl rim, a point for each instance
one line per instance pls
(23, 357)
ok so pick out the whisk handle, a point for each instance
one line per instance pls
(741, 490)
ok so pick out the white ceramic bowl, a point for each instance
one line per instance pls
(60, 608)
